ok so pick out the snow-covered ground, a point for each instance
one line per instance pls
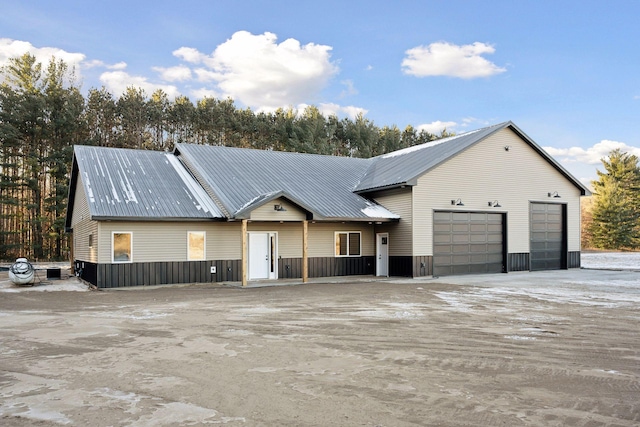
(611, 260)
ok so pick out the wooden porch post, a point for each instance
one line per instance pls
(305, 262)
(244, 252)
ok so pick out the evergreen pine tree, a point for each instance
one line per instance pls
(616, 207)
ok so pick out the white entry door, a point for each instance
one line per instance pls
(382, 249)
(263, 248)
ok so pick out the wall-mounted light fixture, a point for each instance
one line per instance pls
(555, 195)
(507, 147)
(495, 204)
(457, 202)
(279, 208)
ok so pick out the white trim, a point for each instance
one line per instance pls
(335, 235)
(130, 233)
(204, 248)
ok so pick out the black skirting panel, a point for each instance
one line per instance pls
(400, 266)
(347, 266)
(158, 273)
(574, 260)
(164, 273)
(408, 266)
(518, 262)
(290, 268)
(87, 271)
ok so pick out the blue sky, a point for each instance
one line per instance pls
(566, 72)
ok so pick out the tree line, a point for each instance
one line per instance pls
(43, 114)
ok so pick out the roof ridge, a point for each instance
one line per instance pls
(277, 152)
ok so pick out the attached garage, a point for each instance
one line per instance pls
(548, 236)
(468, 243)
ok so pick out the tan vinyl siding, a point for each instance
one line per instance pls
(289, 236)
(267, 212)
(224, 240)
(83, 227)
(322, 243)
(167, 241)
(81, 233)
(80, 205)
(487, 172)
(400, 233)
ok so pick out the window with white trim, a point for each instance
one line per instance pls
(347, 243)
(121, 244)
(196, 242)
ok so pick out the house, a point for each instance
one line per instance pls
(486, 201)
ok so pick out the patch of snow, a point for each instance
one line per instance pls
(415, 148)
(261, 309)
(202, 199)
(260, 196)
(396, 311)
(454, 300)
(519, 338)
(87, 183)
(179, 413)
(378, 211)
(611, 260)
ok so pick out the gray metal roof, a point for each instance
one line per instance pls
(323, 185)
(139, 184)
(406, 165)
(231, 182)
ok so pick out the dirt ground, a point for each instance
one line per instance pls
(561, 349)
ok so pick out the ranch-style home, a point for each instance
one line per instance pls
(486, 201)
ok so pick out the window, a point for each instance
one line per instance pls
(348, 243)
(122, 247)
(196, 245)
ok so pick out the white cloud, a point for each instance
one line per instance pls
(204, 75)
(591, 155)
(262, 74)
(204, 92)
(118, 81)
(436, 127)
(94, 63)
(13, 48)
(446, 59)
(349, 88)
(328, 109)
(179, 73)
(189, 54)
